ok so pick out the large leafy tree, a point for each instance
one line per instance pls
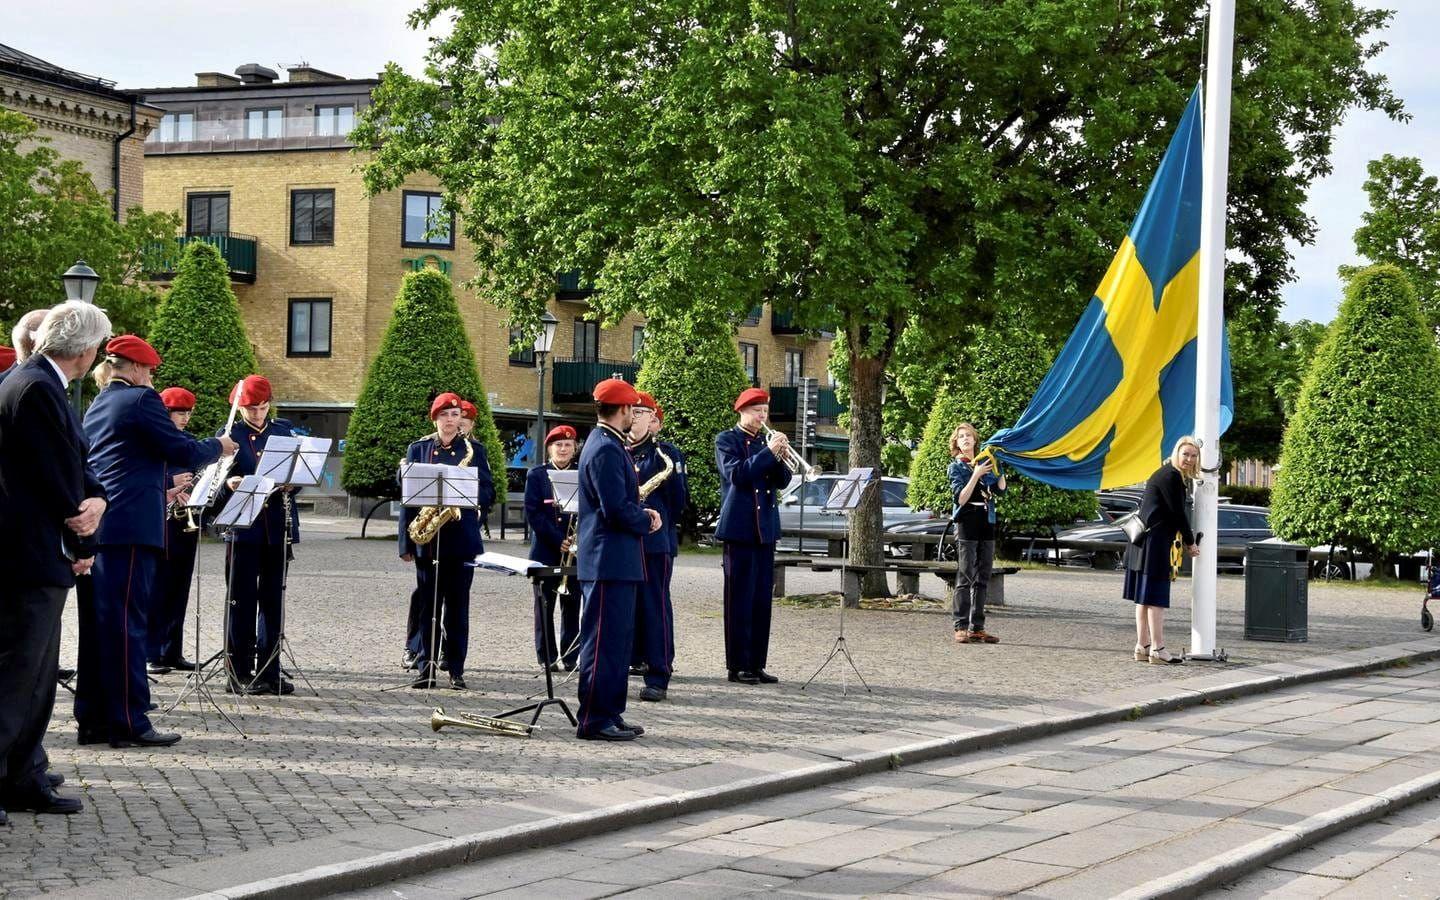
(51, 214)
(1360, 464)
(865, 165)
(1402, 226)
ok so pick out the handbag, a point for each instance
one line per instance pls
(1133, 526)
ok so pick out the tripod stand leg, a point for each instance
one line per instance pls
(547, 626)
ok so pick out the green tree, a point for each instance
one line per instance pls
(53, 214)
(992, 386)
(868, 165)
(1402, 226)
(425, 352)
(200, 335)
(1300, 342)
(694, 372)
(1360, 465)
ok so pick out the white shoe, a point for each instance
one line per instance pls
(1142, 652)
(1159, 656)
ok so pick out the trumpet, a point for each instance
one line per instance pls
(792, 460)
(439, 719)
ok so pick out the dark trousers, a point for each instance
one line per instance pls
(545, 591)
(172, 597)
(974, 559)
(29, 655)
(607, 627)
(655, 622)
(419, 604)
(252, 622)
(453, 578)
(112, 694)
(749, 583)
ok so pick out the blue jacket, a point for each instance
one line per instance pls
(548, 525)
(958, 474)
(131, 442)
(613, 524)
(668, 499)
(269, 527)
(749, 476)
(459, 539)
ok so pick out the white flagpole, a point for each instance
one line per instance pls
(1212, 287)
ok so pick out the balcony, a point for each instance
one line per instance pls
(575, 379)
(783, 322)
(785, 401)
(229, 135)
(238, 251)
(570, 287)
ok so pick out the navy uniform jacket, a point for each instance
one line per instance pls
(461, 538)
(613, 524)
(668, 499)
(269, 526)
(548, 525)
(131, 441)
(749, 476)
(43, 476)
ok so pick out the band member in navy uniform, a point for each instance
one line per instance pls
(257, 555)
(166, 648)
(749, 525)
(132, 441)
(444, 559)
(611, 564)
(550, 537)
(654, 614)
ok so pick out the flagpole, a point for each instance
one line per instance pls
(1218, 69)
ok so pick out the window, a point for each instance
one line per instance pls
(637, 342)
(334, 121)
(179, 126)
(587, 340)
(892, 493)
(426, 223)
(207, 214)
(524, 357)
(794, 366)
(750, 359)
(309, 327)
(752, 318)
(312, 217)
(264, 123)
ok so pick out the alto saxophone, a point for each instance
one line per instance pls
(428, 522)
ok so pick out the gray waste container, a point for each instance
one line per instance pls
(1276, 588)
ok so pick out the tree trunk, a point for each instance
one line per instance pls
(866, 439)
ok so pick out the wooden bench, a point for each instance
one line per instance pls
(907, 573)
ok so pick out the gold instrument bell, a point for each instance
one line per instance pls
(439, 719)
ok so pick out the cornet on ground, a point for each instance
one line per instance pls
(440, 719)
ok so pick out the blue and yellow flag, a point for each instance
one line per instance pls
(1122, 391)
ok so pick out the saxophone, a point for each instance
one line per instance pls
(431, 519)
(654, 481)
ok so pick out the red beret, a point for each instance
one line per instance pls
(469, 410)
(7, 358)
(659, 413)
(646, 400)
(177, 399)
(128, 346)
(254, 390)
(616, 392)
(559, 433)
(749, 397)
(447, 400)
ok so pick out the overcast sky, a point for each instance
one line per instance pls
(149, 43)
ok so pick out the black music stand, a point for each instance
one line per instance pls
(846, 495)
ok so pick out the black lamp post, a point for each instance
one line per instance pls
(543, 342)
(80, 283)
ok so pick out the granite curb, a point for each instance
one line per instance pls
(370, 856)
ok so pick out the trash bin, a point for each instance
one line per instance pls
(1276, 589)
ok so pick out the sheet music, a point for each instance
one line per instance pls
(432, 484)
(245, 504)
(849, 489)
(205, 489)
(566, 484)
(298, 461)
(505, 563)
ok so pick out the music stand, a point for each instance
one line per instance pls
(433, 484)
(845, 496)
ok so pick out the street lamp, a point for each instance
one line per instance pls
(80, 282)
(543, 342)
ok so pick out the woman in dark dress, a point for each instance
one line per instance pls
(1147, 561)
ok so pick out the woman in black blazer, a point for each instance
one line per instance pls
(1147, 560)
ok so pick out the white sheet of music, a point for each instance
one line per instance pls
(432, 484)
(505, 563)
(296, 461)
(245, 504)
(566, 485)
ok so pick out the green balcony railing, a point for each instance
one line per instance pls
(782, 321)
(575, 379)
(572, 286)
(830, 405)
(238, 251)
(785, 402)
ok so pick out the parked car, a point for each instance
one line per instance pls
(895, 510)
(1237, 526)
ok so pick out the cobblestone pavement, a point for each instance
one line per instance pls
(356, 755)
(1094, 812)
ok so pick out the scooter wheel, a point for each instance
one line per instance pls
(1427, 621)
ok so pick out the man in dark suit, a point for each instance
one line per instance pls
(50, 503)
(550, 536)
(22, 338)
(132, 441)
(610, 563)
(749, 525)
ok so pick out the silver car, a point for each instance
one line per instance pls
(895, 511)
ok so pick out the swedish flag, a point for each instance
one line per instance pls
(1122, 390)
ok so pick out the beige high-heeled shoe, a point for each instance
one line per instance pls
(1142, 652)
(1159, 656)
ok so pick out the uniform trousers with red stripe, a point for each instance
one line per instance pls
(655, 622)
(607, 628)
(112, 694)
(749, 582)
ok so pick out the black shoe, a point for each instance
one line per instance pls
(40, 800)
(569, 666)
(91, 736)
(744, 677)
(408, 660)
(444, 664)
(457, 682)
(151, 738)
(638, 670)
(64, 674)
(553, 667)
(626, 726)
(181, 664)
(156, 668)
(608, 733)
(764, 677)
(237, 685)
(284, 688)
(4, 819)
(653, 694)
(423, 683)
(55, 779)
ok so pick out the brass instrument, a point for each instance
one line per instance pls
(428, 522)
(654, 481)
(792, 460)
(439, 719)
(208, 482)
